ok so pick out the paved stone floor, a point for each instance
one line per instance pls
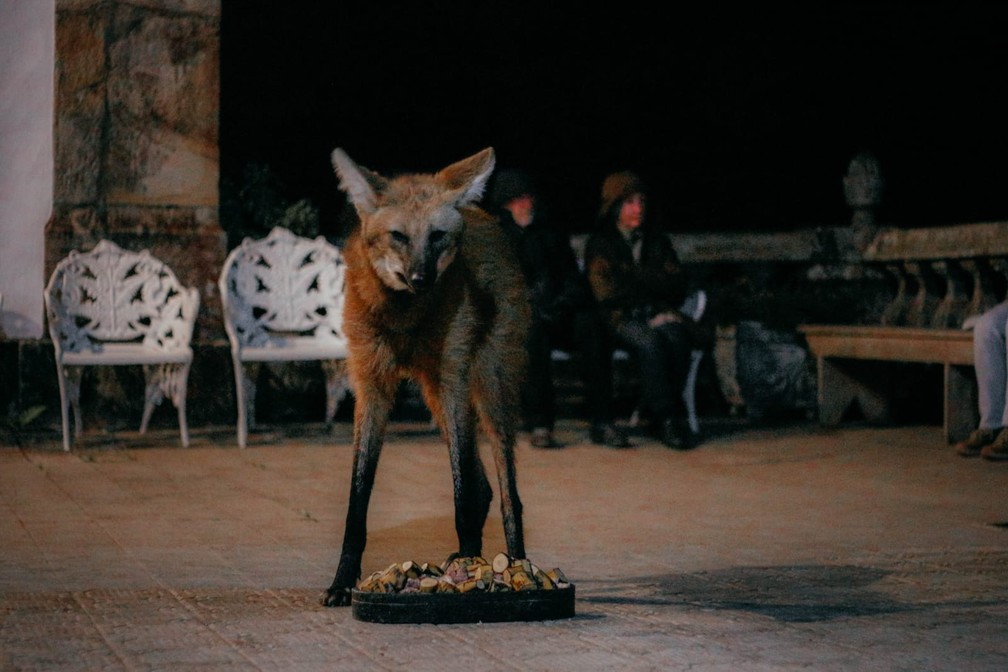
(787, 548)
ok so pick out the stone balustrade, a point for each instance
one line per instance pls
(943, 275)
(775, 281)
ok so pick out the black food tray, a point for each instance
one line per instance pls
(472, 607)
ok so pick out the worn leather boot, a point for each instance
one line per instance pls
(997, 449)
(607, 434)
(976, 442)
(542, 437)
(676, 435)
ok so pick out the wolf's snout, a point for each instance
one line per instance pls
(419, 281)
(415, 282)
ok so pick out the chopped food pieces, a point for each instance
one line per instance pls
(463, 575)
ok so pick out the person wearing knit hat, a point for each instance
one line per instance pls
(618, 186)
(638, 285)
(556, 291)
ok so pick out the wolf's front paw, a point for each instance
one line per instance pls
(335, 597)
(347, 574)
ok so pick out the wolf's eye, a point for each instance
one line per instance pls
(399, 237)
(436, 237)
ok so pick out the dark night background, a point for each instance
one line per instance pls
(741, 119)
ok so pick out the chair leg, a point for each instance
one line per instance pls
(74, 375)
(180, 402)
(183, 424)
(169, 380)
(245, 394)
(62, 377)
(242, 428)
(154, 376)
(689, 391)
(337, 385)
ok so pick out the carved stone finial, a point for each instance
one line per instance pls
(863, 187)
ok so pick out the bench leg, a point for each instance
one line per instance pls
(960, 404)
(840, 385)
(835, 392)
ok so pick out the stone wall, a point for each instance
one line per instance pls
(136, 130)
(136, 160)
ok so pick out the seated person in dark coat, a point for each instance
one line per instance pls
(638, 284)
(557, 292)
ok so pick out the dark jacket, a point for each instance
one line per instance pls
(634, 291)
(556, 286)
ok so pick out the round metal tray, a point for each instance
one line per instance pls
(471, 607)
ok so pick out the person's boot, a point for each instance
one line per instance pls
(542, 437)
(607, 434)
(978, 439)
(997, 449)
(675, 434)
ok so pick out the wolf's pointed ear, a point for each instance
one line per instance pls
(360, 184)
(469, 176)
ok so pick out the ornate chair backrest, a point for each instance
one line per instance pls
(283, 287)
(114, 295)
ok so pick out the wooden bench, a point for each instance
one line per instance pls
(943, 276)
(841, 381)
(112, 307)
(283, 302)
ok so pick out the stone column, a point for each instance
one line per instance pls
(136, 136)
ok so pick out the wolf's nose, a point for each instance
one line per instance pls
(419, 281)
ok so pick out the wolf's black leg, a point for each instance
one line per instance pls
(371, 414)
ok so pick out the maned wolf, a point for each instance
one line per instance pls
(433, 293)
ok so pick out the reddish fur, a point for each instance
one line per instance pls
(462, 340)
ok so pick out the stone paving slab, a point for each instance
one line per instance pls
(789, 548)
